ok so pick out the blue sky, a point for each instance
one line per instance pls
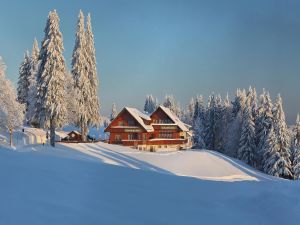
(181, 47)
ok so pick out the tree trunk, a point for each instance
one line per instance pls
(10, 137)
(52, 133)
(84, 131)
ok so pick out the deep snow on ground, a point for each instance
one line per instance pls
(81, 184)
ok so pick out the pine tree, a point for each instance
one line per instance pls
(271, 153)
(296, 150)
(50, 105)
(212, 126)
(93, 103)
(246, 151)
(150, 104)
(199, 123)
(171, 103)
(190, 111)
(235, 124)
(283, 139)
(81, 78)
(114, 112)
(23, 82)
(263, 125)
(32, 92)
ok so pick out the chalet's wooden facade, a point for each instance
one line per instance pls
(162, 129)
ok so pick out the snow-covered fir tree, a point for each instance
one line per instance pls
(32, 89)
(263, 124)
(11, 111)
(189, 114)
(71, 106)
(171, 103)
(114, 112)
(93, 102)
(212, 122)
(235, 124)
(283, 139)
(219, 136)
(246, 151)
(226, 116)
(296, 150)
(50, 105)
(150, 104)
(81, 78)
(199, 123)
(23, 81)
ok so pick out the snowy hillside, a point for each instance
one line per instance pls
(71, 185)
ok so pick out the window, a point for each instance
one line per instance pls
(166, 135)
(131, 123)
(133, 136)
(117, 137)
(121, 123)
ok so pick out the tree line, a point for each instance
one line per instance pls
(52, 95)
(249, 127)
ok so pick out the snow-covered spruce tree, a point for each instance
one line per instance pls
(23, 81)
(150, 104)
(94, 118)
(71, 106)
(81, 78)
(190, 111)
(199, 123)
(171, 103)
(283, 139)
(219, 136)
(212, 122)
(235, 124)
(11, 111)
(226, 116)
(246, 151)
(114, 112)
(32, 89)
(50, 105)
(296, 150)
(252, 95)
(263, 124)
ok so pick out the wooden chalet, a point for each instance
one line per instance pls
(161, 129)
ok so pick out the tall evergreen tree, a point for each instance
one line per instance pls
(150, 104)
(235, 123)
(283, 139)
(23, 82)
(114, 112)
(81, 78)
(93, 102)
(296, 150)
(263, 125)
(246, 151)
(50, 105)
(199, 123)
(171, 103)
(32, 92)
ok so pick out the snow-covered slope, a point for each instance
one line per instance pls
(71, 185)
(201, 164)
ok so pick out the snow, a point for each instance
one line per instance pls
(81, 184)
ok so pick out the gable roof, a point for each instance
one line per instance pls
(139, 116)
(174, 118)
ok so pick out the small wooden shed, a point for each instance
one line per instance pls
(73, 136)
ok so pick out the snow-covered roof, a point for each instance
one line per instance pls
(139, 116)
(174, 118)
